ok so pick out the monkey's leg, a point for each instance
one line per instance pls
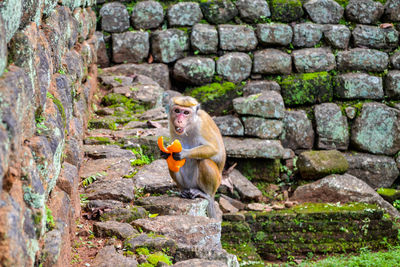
(208, 182)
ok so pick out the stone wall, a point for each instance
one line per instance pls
(311, 75)
(48, 52)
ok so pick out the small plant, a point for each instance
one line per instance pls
(50, 224)
(84, 200)
(88, 180)
(396, 204)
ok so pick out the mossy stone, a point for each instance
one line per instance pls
(286, 10)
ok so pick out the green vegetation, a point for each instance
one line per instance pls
(88, 180)
(211, 91)
(50, 224)
(60, 108)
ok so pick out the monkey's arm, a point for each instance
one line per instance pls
(200, 152)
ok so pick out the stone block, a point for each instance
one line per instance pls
(364, 11)
(218, 12)
(266, 105)
(253, 148)
(147, 15)
(237, 37)
(169, 45)
(286, 11)
(362, 59)
(11, 12)
(194, 70)
(184, 14)
(272, 61)
(117, 189)
(229, 125)
(130, 47)
(274, 34)
(255, 87)
(234, 67)
(253, 10)
(392, 10)
(298, 131)
(114, 17)
(338, 36)
(395, 60)
(307, 34)
(246, 189)
(262, 128)
(314, 60)
(377, 129)
(332, 127)
(375, 37)
(324, 11)
(358, 86)
(307, 88)
(392, 84)
(204, 38)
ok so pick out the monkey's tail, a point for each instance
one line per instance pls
(211, 207)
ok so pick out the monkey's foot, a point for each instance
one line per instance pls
(193, 193)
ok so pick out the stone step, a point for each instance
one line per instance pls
(253, 148)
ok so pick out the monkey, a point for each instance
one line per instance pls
(202, 147)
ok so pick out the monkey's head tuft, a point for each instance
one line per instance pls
(185, 101)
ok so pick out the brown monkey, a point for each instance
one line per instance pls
(202, 147)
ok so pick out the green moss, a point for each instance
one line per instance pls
(101, 140)
(50, 224)
(212, 91)
(60, 108)
(159, 257)
(307, 88)
(33, 199)
(286, 10)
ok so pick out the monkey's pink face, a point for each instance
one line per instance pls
(181, 118)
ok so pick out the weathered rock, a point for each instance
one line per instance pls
(108, 257)
(317, 164)
(253, 148)
(307, 88)
(154, 178)
(11, 12)
(324, 11)
(358, 86)
(376, 171)
(115, 81)
(169, 45)
(395, 60)
(151, 114)
(234, 67)
(131, 47)
(314, 60)
(297, 132)
(3, 47)
(392, 10)
(126, 215)
(68, 180)
(218, 12)
(375, 37)
(362, 59)
(104, 204)
(187, 231)
(110, 167)
(204, 38)
(147, 15)
(200, 263)
(107, 151)
(246, 189)
(55, 245)
(274, 34)
(266, 104)
(194, 70)
(338, 36)
(253, 10)
(307, 34)
(113, 228)
(341, 188)
(226, 206)
(184, 14)
(262, 128)
(166, 205)
(148, 94)
(157, 72)
(152, 242)
(117, 189)
(377, 129)
(332, 128)
(237, 37)
(364, 11)
(272, 61)
(286, 11)
(256, 87)
(234, 202)
(351, 112)
(114, 17)
(229, 125)
(392, 84)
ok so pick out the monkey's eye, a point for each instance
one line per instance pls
(186, 112)
(177, 110)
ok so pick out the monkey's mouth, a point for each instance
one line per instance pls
(179, 130)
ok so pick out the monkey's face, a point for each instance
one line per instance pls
(181, 118)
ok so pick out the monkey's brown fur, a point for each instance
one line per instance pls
(203, 149)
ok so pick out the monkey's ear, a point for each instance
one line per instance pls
(197, 108)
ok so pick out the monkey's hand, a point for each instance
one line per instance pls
(164, 155)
